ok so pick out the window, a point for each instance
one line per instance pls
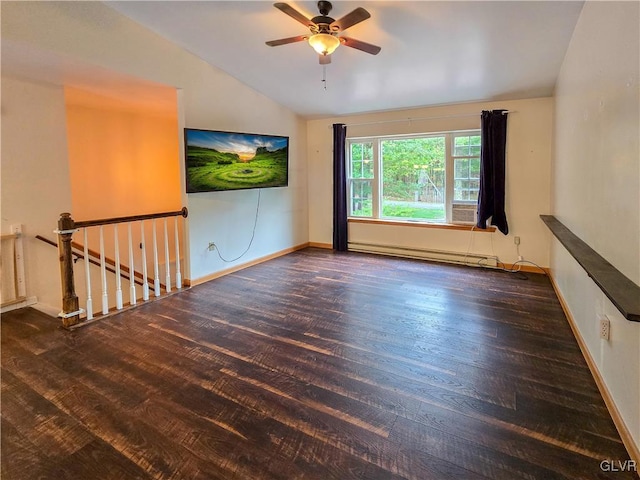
(466, 167)
(361, 178)
(416, 178)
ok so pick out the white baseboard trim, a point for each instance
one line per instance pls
(625, 434)
(48, 309)
(27, 302)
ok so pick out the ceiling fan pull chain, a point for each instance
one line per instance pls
(324, 76)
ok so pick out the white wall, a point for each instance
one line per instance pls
(596, 185)
(529, 147)
(126, 149)
(93, 35)
(35, 178)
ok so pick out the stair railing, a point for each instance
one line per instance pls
(72, 313)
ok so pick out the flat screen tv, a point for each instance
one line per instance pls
(218, 161)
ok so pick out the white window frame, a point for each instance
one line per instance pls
(468, 133)
(376, 181)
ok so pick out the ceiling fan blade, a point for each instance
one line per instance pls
(357, 44)
(293, 13)
(325, 59)
(284, 41)
(350, 19)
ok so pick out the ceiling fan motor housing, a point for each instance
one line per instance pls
(322, 23)
(324, 7)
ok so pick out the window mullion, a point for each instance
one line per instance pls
(376, 186)
(449, 176)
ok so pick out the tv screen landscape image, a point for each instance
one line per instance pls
(218, 161)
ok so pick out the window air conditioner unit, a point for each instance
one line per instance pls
(464, 213)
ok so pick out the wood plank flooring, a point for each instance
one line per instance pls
(315, 365)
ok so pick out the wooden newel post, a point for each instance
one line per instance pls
(70, 307)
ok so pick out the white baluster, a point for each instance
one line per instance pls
(103, 272)
(117, 259)
(132, 281)
(178, 274)
(145, 282)
(156, 274)
(167, 264)
(87, 276)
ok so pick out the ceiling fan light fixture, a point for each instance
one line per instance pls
(324, 43)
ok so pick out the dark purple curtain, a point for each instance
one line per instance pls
(339, 188)
(492, 170)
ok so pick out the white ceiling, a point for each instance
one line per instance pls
(433, 53)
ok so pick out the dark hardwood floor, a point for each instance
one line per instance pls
(311, 366)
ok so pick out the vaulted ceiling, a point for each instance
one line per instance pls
(433, 53)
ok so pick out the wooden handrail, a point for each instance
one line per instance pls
(54, 244)
(93, 253)
(133, 218)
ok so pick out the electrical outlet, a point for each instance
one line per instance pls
(516, 240)
(605, 327)
(211, 247)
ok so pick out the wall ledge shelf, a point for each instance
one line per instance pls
(622, 292)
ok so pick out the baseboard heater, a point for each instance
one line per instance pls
(460, 258)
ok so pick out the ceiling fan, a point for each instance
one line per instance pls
(324, 30)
